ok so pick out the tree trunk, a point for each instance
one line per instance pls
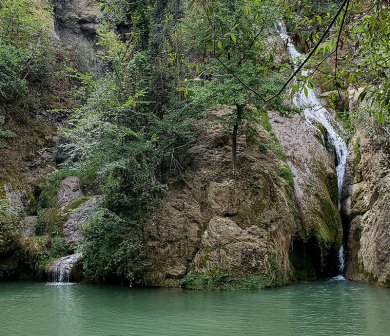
(234, 149)
(237, 122)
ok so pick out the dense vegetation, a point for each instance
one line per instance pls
(164, 62)
(25, 55)
(353, 55)
(132, 125)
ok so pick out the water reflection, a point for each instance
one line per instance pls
(323, 308)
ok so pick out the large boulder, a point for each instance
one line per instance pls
(226, 247)
(17, 199)
(69, 190)
(77, 16)
(212, 223)
(72, 227)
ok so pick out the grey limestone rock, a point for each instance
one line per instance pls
(72, 227)
(69, 190)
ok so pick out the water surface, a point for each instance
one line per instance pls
(321, 308)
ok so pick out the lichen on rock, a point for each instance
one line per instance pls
(368, 255)
(215, 224)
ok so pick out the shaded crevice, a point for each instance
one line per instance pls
(311, 260)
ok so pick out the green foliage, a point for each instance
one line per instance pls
(234, 65)
(48, 197)
(5, 134)
(126, 140)
(286, 173)
(9, 225)
(220, 280)
(50, 222)
(112, 248)
(368, 64)
(341, 63)
(26, 58)
(309, 18)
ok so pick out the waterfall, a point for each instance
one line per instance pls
(315, 111)
(60, 270)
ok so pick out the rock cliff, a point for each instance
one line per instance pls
(368, 255)
(312, 162)
(213, 228)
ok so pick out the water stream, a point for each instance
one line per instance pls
(61, 269)
(314, 110)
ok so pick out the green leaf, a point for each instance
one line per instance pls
(381, 118)
(233, 37)
(220, 45)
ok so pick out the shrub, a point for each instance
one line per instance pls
(112, 248)
(9, 225)
(4, 133)
(25, 54)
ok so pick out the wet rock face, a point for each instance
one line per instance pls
(64, 269)
(69, 190)
(72, 227)
(315, 181)
(368, 256)
(213, 222)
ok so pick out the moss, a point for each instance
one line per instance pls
(274, 147)
(285, 173)
(330, 223)
(357, 154)
(51, 221)
(252, 215)
(326, 218)
(265, 121)
(224, 281)
(76, 203)
(48, 198)
(321, 135)
(368, 276)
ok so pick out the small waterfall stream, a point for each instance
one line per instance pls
(60, 270)
(315, 111)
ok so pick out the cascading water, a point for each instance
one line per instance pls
(315, 111)
(60, 270)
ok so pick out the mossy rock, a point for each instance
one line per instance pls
(224, 281)
(51, 221)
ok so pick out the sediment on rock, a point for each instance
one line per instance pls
(368, 205)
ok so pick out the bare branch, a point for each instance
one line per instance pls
(312, 51)
(338, 43)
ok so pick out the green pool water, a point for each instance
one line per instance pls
(321, 308)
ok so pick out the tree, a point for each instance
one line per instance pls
(24, 49)
(355, 51)
(234, 62)
(123, 135)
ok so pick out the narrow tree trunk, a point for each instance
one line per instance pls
(234, 149)
(237, 121)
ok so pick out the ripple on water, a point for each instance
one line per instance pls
(59, 284)
(321, 308)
